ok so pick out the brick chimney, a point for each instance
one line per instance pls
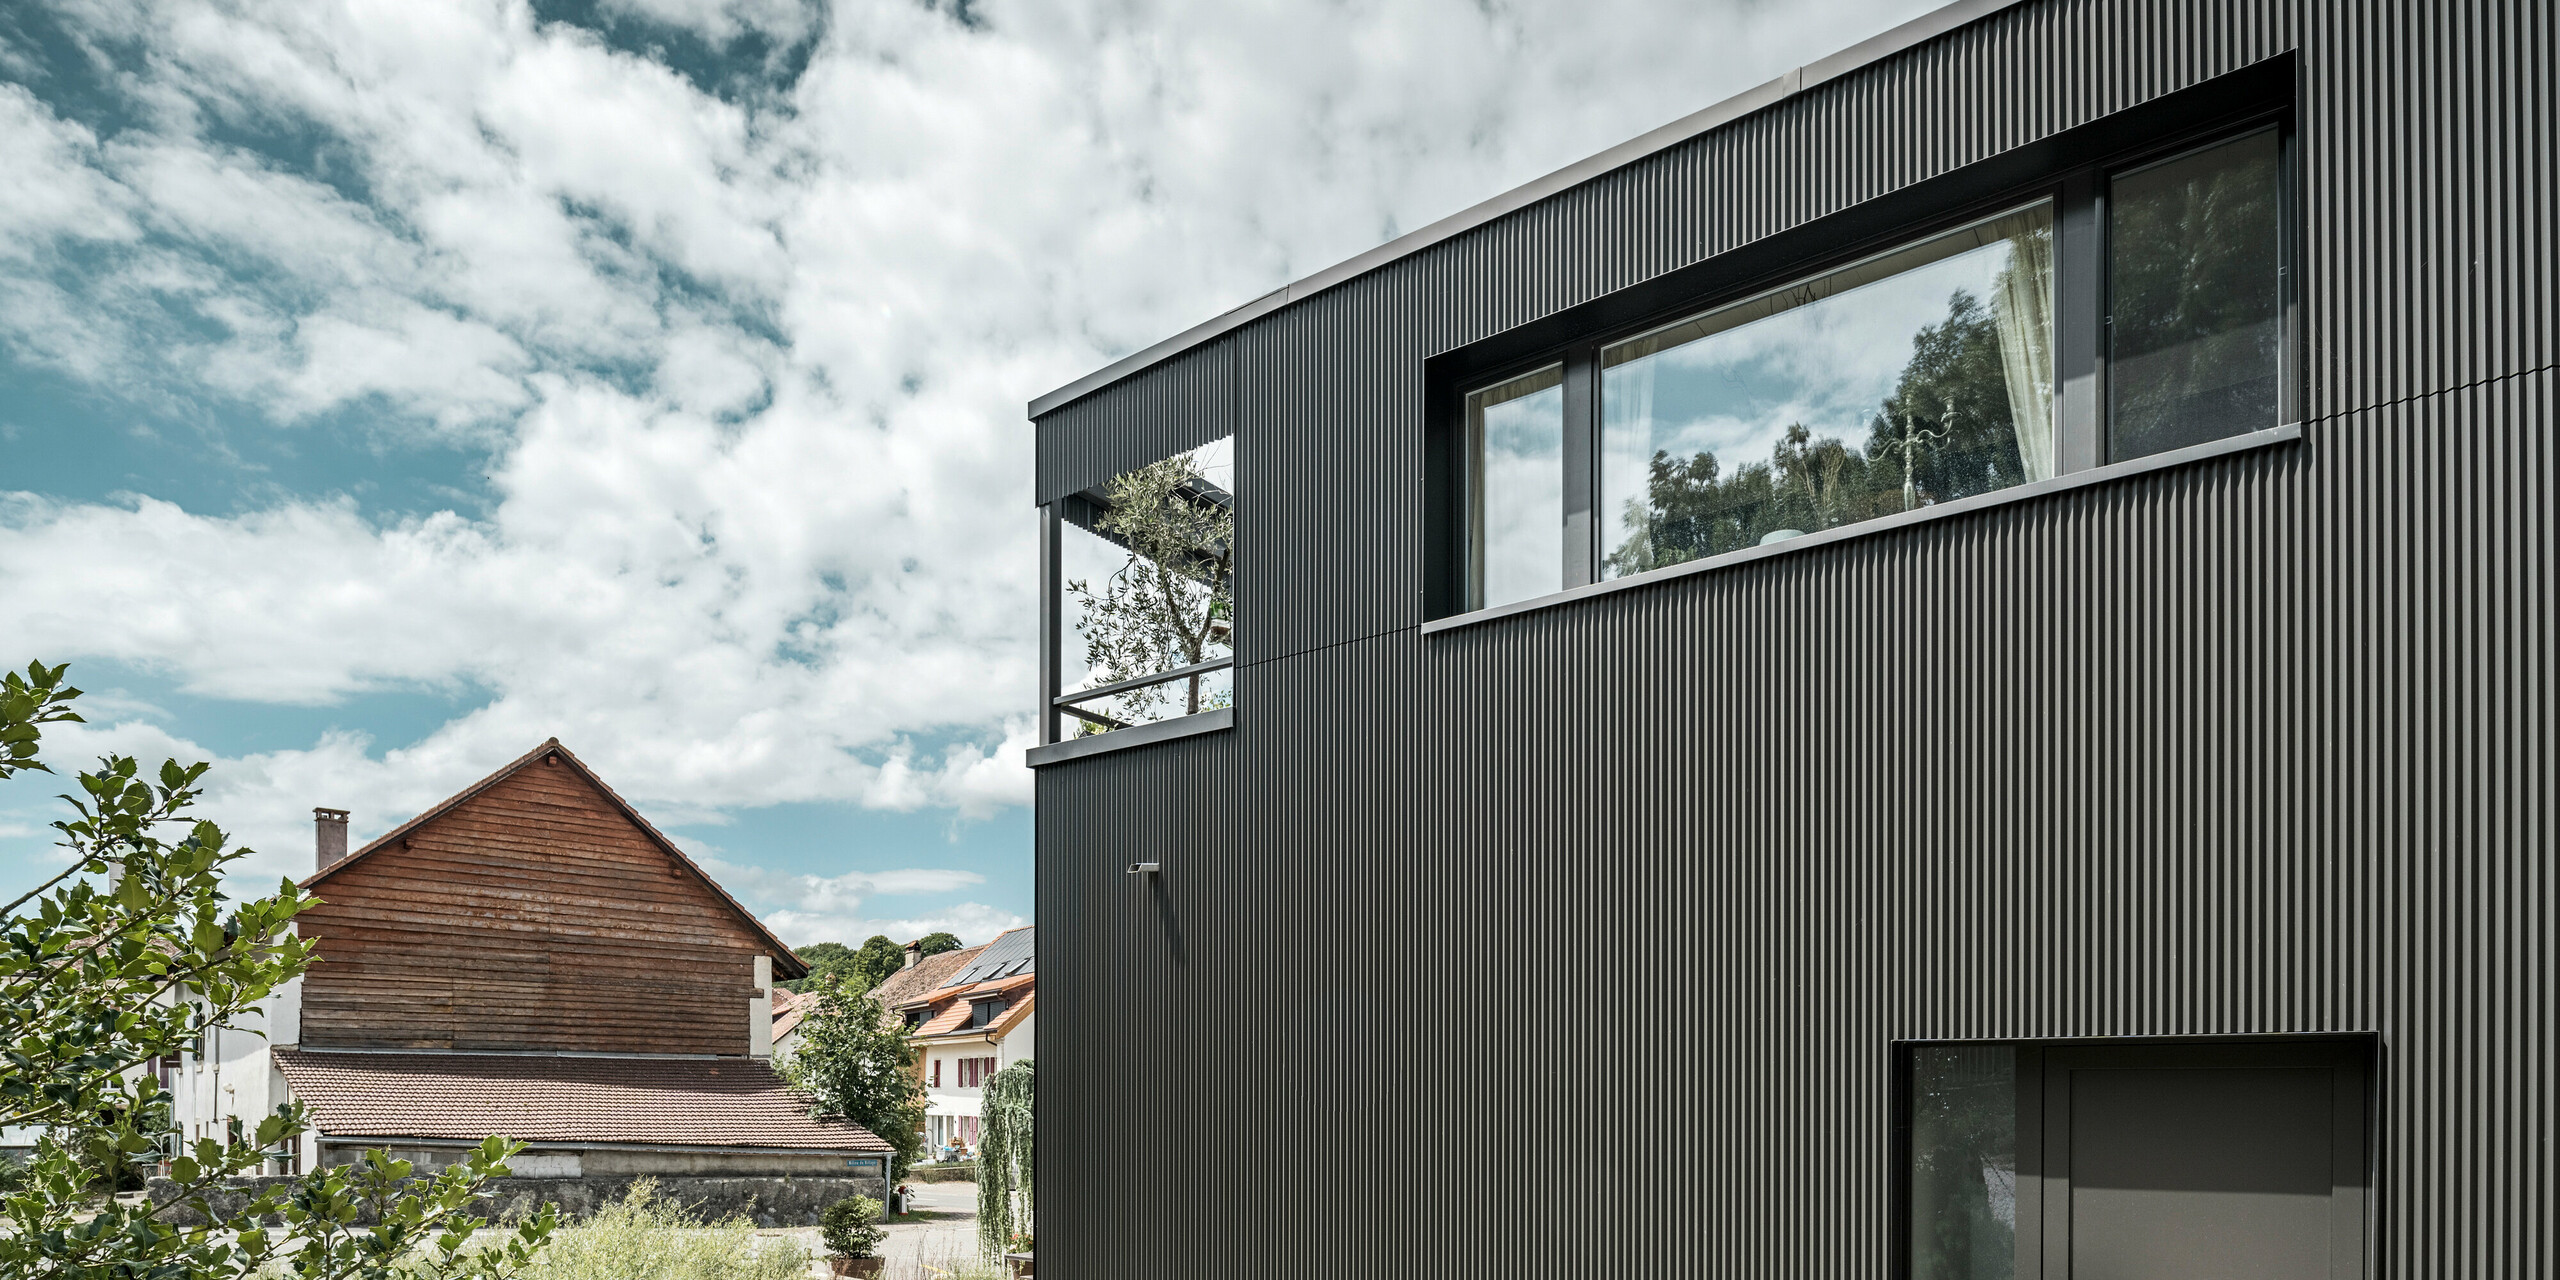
(915, 954)
(331, 826)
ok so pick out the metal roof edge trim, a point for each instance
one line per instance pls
(1795, 80)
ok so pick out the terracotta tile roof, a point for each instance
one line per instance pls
(1012, 1016)
(952, 1018)
(947, 1019)
(789, 1007)
(915, 984)
(693, 1102)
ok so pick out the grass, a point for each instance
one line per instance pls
(646, 1237)
(971, 1268)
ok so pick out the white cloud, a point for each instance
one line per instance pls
(722, 21)
(749, 373)
(808, 908)
(53, 192)
(971, 922)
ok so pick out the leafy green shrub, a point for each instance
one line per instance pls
(849, 1227)
(962, 1171)
(644, 1236)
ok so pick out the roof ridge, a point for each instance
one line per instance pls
(788, 963)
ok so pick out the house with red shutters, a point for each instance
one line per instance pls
(971, 1015)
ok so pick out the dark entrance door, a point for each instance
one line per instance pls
(2202, 1162)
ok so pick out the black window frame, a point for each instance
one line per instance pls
(2358, 1056)
(2072, 169)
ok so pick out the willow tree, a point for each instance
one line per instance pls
(1005, 1162)
(1173, 601)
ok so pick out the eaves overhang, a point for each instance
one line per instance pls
(1920, 30)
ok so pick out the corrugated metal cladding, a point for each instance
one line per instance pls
(1181, 404)
(1635, 894)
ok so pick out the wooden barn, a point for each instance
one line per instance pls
(530, 957)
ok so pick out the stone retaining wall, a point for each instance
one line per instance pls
(770, 1202)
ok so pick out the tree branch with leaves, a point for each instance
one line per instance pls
(131, 953)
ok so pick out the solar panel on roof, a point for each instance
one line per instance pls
(1012, 952)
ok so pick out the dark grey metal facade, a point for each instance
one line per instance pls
(2276, 753)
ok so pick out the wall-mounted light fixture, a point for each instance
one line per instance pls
(1142, 868)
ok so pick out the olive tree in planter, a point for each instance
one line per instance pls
(850, 1228)
(1005, 1163)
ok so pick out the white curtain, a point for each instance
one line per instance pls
(2022, 308)
(1626, 463)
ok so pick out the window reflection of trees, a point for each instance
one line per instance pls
(2195, 298)
(1964, 1140)
(1953, 394)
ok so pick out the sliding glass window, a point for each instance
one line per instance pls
(1911, 378)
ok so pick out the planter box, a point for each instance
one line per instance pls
(866, 1267)
(1021, 1264)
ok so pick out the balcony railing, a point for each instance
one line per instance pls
(1067, 702)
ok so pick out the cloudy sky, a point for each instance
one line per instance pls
(388, 385)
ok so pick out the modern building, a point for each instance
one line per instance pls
(971, 1013)
(1955, 653)
(529, 957)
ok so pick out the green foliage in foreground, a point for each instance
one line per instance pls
(130, 953)
(645, 1236)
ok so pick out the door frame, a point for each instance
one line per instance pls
(2043, 1075)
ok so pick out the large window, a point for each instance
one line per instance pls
(1915, 377)
(2119, 311)
(1145, 614)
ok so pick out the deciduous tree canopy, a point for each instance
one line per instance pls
(855, 1061)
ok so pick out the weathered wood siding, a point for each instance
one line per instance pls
(533, 915)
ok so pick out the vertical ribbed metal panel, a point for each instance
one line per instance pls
(1181, 404)
(2254, 746)
(1142, 1045)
